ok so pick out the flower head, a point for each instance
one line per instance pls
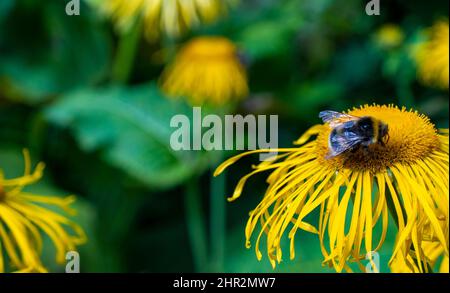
(355, 191)
(432, 56)
(170, 17)
(389, 36)
(207, 69)
(23, 216)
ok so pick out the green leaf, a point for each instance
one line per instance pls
(130, 127)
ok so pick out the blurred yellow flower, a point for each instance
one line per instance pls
(389, 36)
(432, 56)
(355, 192)
(23, 215)
(207, 69)
(170, 17)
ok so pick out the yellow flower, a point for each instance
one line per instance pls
(207, 69)
(432, 56)
(355, 191)
(389, 36)
(23, 216)
(171, 17)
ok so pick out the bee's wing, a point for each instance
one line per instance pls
(334, 118)
(340, 144)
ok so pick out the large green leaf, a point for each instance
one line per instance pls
(130, 127)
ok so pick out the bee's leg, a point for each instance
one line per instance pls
(383, 140)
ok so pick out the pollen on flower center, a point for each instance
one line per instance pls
(411, 137)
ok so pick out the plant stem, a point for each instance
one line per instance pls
(196, 224)
(218, 222)
(126, 51)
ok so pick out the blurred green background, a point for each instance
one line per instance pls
(108, 143)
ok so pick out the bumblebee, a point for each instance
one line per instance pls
(349, 133)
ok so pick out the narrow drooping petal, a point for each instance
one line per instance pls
(24, 217)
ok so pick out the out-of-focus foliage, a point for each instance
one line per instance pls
(108, 142)
(130, 128)
(45, 53)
